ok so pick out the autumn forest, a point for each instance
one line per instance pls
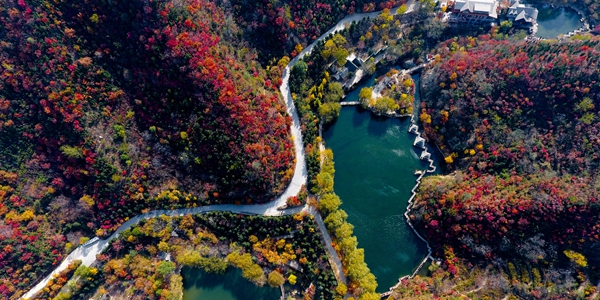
(114, 108)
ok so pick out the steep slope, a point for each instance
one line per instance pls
(108, 108)
(519, 121)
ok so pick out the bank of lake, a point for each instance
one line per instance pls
(553, 21)
(198, 284)
(375, 164)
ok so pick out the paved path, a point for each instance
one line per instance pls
(87, 254)
(334, 259)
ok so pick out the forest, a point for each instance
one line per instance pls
(517, 123)
(108, 108)
(278, 28)
(140, 264)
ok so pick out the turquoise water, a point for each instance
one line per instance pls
(198, 284)
(375, 163)
(555, 21)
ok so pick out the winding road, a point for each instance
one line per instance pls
(87, 253)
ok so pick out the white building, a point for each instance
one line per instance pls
(474, 11)
(521, 14)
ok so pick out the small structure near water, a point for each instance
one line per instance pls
(414, 129)
(425, 155)
(478, 12)
(522, 15)
(420, 142)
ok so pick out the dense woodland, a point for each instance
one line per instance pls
(518, 124)
(146, 260)
(112, 107)
(277, 28)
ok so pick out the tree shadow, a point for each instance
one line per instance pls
(378, 125)
(359, 117)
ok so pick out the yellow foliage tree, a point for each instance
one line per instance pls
(576, 258)
(449, 159)
(163, 246)
(27, 215)
(292, 279)
(298, 48)
(87, 200)
(425, 118)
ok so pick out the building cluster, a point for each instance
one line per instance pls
(491, 11)
(354, 69)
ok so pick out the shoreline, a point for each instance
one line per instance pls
(431, 169)
(87, 253)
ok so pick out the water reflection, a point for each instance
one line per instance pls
(555, 21)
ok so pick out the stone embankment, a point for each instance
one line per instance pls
(426, 156)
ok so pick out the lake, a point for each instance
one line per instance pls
(555, 21)
(198, 284)
(375, 164)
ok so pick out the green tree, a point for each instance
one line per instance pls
(63, 296)
(298, 75)
(335, 47)
(71, 152)
(328, 49)
(328, 165)
(505, 26)
(435, 29)
(165, 268)
(210, 264)
(345, 230)
(250, 270)
(384, 105)
(175, 287)
(585, 105)
(325, 183)
(357, 268)
(334, 92)
(328, 203)
(349, 243)
(336, 219)
(339, 40)
(329, 111)
(340, 55)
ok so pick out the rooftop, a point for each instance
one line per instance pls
(487, 7)
(521, 12)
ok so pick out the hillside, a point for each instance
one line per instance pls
(278, 28)
(518, 125)
(111, 107)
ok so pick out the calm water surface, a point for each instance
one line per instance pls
(199, 285)
(375, 163)
(555, 21)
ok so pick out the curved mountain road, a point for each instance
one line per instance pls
(87, 253)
